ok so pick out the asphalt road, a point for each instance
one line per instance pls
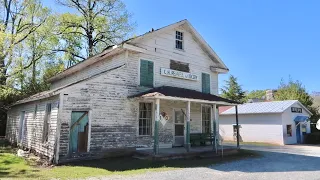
(276, 163)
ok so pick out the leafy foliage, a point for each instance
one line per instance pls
(233, 90)
(260, 94)
(97, 25)
(294, 90)
(36, 44)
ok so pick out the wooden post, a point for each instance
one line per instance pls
(156, 127)
(213, 126)
(237, 124)
(188, 127)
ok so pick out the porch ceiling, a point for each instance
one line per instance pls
(175, 93)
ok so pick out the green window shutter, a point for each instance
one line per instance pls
(205, 83)
(146, 73)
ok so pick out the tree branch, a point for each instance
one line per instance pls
(73, 54)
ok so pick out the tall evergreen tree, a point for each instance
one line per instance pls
(233, 91)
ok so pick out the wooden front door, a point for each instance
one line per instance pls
(179, 121)
(79, 132)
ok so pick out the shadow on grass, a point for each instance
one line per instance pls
(129, 163)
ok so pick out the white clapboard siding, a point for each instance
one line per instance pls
(89, 71)
(253, 128)
(113, 117)
(160, 49)
(33, 128)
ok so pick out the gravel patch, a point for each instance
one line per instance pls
(271, 165)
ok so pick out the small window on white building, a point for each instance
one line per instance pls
(179, 40)
(35, 111)
(289, 130)
(235, 129)
(46, 120)
(145, 119)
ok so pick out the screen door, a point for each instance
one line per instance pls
(178, 128)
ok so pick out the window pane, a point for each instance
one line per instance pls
(148, 114)
(145, 118)
(179, 130)
(179, 117)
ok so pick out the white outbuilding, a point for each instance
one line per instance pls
(277, 122)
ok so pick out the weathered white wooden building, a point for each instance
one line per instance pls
(150, 91)
(277, 122)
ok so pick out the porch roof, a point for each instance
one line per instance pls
(175, 93)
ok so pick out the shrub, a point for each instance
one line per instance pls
(313, 138)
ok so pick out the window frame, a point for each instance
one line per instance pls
(46, 123)
(289, 135)
(154, 65)
(179, 40)
(35, 112)
(210, 116)
(234, 129)
(179, 62)
(151, 119)
(22, 121)
(209, 82)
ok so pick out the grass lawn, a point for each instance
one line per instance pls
(15, 167)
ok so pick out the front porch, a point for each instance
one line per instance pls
(179, 116)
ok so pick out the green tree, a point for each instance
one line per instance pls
(21, 49)
(233, 91)
(99, 24)
(260, 94)
(15, 26)
(294, 90)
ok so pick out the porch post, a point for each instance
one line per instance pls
(213, 126)
(188, 127)
(237, 124)
(156, 127)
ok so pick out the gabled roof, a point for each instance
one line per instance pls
(128, 45)
(185, 23)
(170, 92)
(264, 107)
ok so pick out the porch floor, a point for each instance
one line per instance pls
(181, 152)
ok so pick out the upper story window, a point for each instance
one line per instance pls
(179, 40)
(205, 81)
(146, 73)
(179, 66)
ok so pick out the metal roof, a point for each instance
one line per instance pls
(263, 107)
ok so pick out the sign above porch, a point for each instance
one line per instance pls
(178, 74)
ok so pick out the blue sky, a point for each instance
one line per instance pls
(260, 41)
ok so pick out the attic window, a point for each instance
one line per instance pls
(179, 40)
(179, 66)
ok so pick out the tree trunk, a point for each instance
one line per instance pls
(3, 71)
(33, 78)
